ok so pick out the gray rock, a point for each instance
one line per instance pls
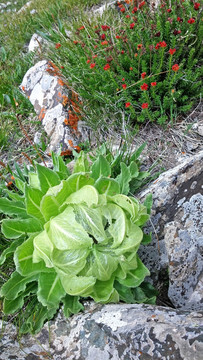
(177, 227)
(55, 105)
(118, 332)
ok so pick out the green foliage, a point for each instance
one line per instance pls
(74, 236)
(109, 65)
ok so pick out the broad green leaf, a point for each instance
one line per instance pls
(91, 220)
(14, 195)
(66, 233)
(13, 229)
(103, 290)
(135, 277)
(131, 241)
(12, 208)
(125, 293)
(100, 168)
(107, 186)
(34, 180)
(50, 290)
(104, 265)
(72, 305)
(43, 248)
(32, 200)
(11, 306)
(130, 206)
(59, 166)
(47, 178)
(23, 258)
(10, 249)
(81, 164)
(117, 228)
(124, 178)
(77, 181)
(134, 171)
(78, 285)
(20, 184)
(69, 262)
(15, 285)
(87, 194)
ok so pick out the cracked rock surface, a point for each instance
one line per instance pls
(117, 332)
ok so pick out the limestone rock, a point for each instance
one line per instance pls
(177, 227)
(117, 332)
(35, 43)
(55, 104)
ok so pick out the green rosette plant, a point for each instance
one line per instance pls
(73, 235)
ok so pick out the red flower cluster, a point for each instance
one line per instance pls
(58, 45)
(143, 75)
(106, 67)
(122, 10)
(118, 37)
(122, 52)
(169, 10)
(160, 44)
(175, 67)
(132, 25)
(145, 106)
(134, 10)
(196, 6)
(179, 19)
(191, 21)
(144, 87)
(127, 104)
(103, 36)
(141, 4)
(176, 32)
(88, 61)
(105, 42)
(172, 51)
(105, 27)
(92, 65)
(153, 83)
(124, 86)
(127, 16)
(81, 28)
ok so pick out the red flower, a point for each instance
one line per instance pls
(62, 67)
(124, 86)
(118, 37)
(104, 42)
(141, 4)
(196, 6)
(103, 36)
(191, 21)
(175, 67)
(172, 51)
(92, 65)
(144, 87)
(179, 19)
(122, 52)
(94, 56)
(157, 34)
(106, 67)
(131, 68)
(153, 83)
(157, 46)
(135, 9)
(143, 75)
(95, 46)
(75, 42)
(88, 61)
(127, 104)
(139, 46)
(169, 10)
(127, 16)
(58, 45)
(145, 106)
(81, 28)
(132, 25)
(122, 10)
(162, 44)
(105, 27)
(123, 79)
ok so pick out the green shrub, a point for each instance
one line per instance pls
(74, 235)
(133, 59)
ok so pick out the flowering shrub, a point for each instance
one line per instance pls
(154, 50)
